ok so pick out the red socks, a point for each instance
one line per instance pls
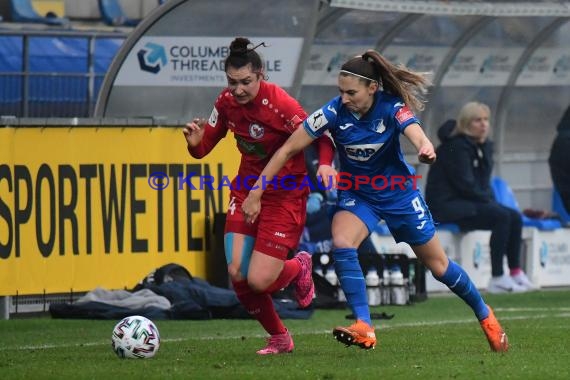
(260, 306)
(290, 270)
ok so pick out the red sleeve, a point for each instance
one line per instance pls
(294, 116)
(325, 149)
(292, 112)
(215, 130)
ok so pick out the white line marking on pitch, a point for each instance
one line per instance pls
(300, 332)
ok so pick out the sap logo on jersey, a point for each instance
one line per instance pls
(362, 152)
(317, 120)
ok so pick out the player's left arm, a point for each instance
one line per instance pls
(416, 135)
(326, 150)
(295, 114)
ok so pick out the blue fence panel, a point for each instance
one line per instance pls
(11, 49)
(11, 67)
(58, 54)
(105, 51)
(10, 94)
(58, 75)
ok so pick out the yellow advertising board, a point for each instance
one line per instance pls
(82, 207)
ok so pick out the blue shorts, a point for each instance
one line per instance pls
(407, 217)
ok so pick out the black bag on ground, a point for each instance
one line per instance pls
(166, 273)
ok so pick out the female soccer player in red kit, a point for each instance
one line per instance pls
(262, 116)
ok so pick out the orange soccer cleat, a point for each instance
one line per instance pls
(495, 335)
(359, 334)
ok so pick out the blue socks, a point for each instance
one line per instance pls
(352, 282)
(459, 283)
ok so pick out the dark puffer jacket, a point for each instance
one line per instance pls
(460, 179)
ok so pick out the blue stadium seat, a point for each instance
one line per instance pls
(558, 207)
(112, 14)
(505, 196)
(23, 11)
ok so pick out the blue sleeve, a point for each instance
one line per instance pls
(403, 116)
(322, 119)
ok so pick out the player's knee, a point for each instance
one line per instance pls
(257, 285)
(260, 280)
(516, 220)
(437, 265)
(234, 272)
(502, 216)
(342, 242)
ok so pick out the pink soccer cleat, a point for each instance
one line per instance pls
(278, 344)
(304, 286)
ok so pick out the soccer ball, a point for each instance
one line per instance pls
(135, 337)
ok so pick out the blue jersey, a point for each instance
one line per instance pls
(375, 182)
(369, 147)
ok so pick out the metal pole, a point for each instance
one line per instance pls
(5, 307)
(90, 76)
(507, 90)
(26, 79)
(305, 51)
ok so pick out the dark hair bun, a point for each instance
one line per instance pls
(239, 46)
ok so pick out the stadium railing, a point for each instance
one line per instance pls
(42, 80)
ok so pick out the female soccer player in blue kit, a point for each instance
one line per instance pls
(365, 122)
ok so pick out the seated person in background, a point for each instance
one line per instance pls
(559, 162)
(458, 190)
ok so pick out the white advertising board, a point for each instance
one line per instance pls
(199, 61)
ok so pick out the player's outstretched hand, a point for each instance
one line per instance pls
(328, 175)
(251, 207)
(194, 131)
(426, 154)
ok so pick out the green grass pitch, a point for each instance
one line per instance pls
(435, 339)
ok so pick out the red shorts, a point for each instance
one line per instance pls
(277, 229)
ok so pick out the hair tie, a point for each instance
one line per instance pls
(358, 75)
(256, 46)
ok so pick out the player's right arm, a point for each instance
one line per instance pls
(313, 127)
(194, 132)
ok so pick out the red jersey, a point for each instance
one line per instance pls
(260, 127)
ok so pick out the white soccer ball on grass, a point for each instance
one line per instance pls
(135, 337)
